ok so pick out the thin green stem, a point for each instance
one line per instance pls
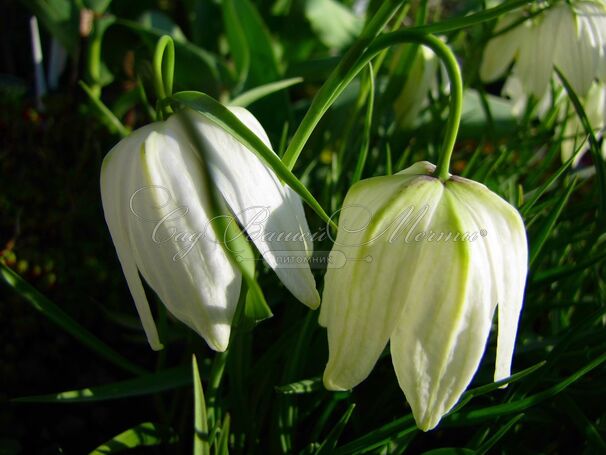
(357, 175)
(594, 146)
(201, 433)
(456, 103)
(454, 74)
(340, 77)
(421, 13)
(452, 68)
(93, 54)
(164, 68)
(323, 99)
(214, 383)
(93, 60)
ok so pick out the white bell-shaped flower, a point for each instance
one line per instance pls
(427, 264)
(158, 209)
(569, 36)
(421, 79)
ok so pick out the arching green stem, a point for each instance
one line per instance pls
(93, 60)
(454, 74)
(164, 68)
(340, 77)
(318, 107)
(456, 90)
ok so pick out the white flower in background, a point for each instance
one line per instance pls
(157, 208)
(427, 265)
(576, 139)
(421, 79)
(571, 37)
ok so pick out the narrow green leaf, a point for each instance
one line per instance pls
(59, 317)
(250, 42)
(201, 434)
(478, 415)
(379, 436)
(223, 117)
(564, 271)
(254, 94)
(538, 243)
(105, 114)
(143, 435)
(598, 161)
(222, 446)
(238, 47)
(214, 383)
(502, 431)
(329, 444)
(301, 387)
(255, 306)
(536, 194)
(357, 175)
(578, 418)
(148, 384)
(482, 390)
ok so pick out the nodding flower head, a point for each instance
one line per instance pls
(428, 262)
(158, 208)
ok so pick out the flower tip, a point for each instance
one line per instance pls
(331, 384)
(500, 374)
(218, 347)
(427, 421)
(426, 425)
(219, 342)
(314, 301)
(429, 167)
(156, 346)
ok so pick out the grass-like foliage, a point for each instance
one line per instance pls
(342, 98)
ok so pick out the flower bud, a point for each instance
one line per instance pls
(427, 264)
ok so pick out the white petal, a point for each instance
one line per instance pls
(174, 245)
(267, 209)
(420, 80)
(535, 60)
(577, 51)
(500, 51)
(507, 249)
(440, 337)
(515, 91)
(363, 299)
(117, 160)
(594, 16)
